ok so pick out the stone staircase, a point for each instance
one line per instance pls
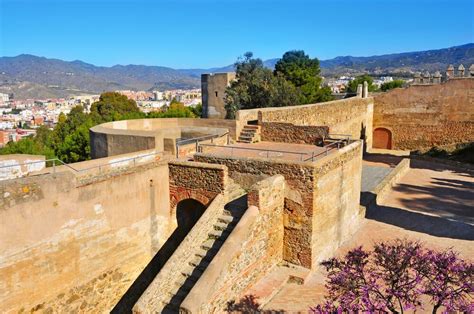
(249, 134)
(207, 249)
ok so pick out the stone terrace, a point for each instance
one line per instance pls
(273, 150)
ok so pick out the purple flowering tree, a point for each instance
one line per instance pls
(395, 277)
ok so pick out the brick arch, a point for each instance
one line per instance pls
(180, 194)
(382, 138)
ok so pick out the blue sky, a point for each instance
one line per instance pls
(208, 33)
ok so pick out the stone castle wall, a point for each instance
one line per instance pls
(298, 201)
(351, 116)
(248, 253)
(425, 116)
(71, 245)
(127, 136)
(20, 165)
(336, 211)
(290, 133)
(314, 215)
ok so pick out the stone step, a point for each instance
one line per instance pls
(208, 244)
(250, 126)
(248, 132)
(195, 260)
(243, 141)
(201, 253)
(216, 234)
(225, 219)
(189, 270)
(234, 212)
(248, 139)
(220, 225)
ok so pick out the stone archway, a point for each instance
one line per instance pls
(382, 138)
(188, 212)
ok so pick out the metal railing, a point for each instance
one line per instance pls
(132, 161)
(336, 144)
(55, 162)
(196, 141)
(266, 152)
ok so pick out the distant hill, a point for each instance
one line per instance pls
(429, 60)
(65, 78)
(29, 76)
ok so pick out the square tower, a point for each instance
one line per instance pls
(213, 87)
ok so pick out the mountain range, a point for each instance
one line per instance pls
(28, 76)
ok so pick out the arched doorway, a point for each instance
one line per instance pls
(188, 212)
(382, 138)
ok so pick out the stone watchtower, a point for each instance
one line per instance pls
(461, 70)
(437, 78)
(450, 72)
(426, 78)
(213, 87)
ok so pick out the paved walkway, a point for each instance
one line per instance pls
(372, 176)
(274, 150)
(435, 190)
(433, 204)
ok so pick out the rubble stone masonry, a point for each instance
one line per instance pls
(351, 116)
(425, 116)
(199, 181)
(321, 205)
(290, 133)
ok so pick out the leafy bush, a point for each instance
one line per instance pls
(391, 85)
(398, 276)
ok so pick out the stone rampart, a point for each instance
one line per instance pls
(424, 116)
(20, 165)
(351, 116)
(321, 198)
(121, 137)
(74, 246)
(249, 252)
(290, 133)
(336, 211)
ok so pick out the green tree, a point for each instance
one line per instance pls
(70, 141)
(113, 106)
(257, 87)
(176, 109)
(352, 86)
(391, 85)
(27, 145)
(197, 110)
(304, 73)
(76, 145)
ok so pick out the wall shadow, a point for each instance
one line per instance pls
(248, 304)
(419, 222)
(448, 198)
(439, 166)
(188, 213)
(390, 160)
